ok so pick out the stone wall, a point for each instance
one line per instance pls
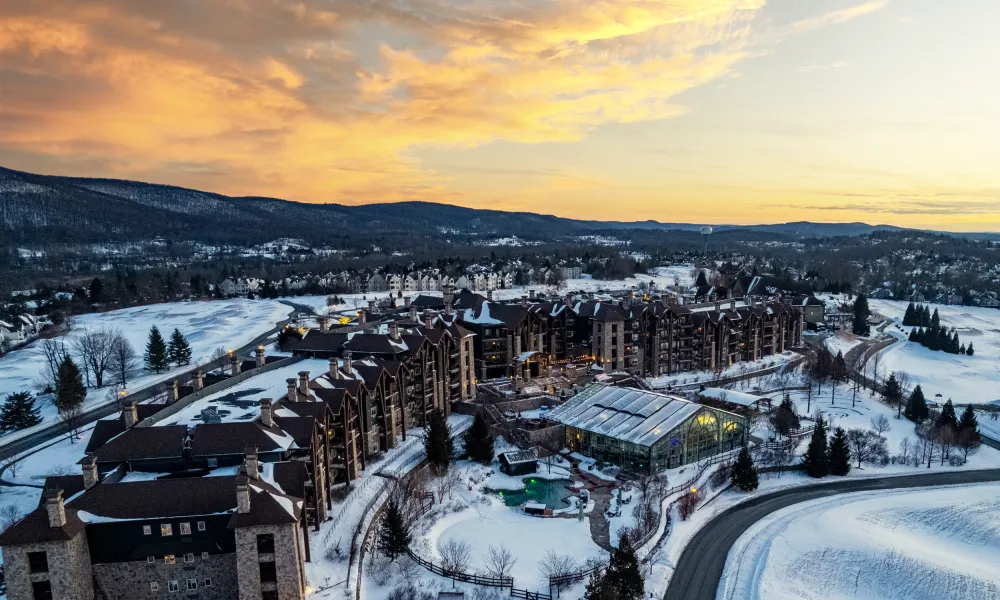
(287, 556)
(131, 580)
(68, 574)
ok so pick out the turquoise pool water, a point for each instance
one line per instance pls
(550, 492)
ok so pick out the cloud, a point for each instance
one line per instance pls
(326, 100)
(840, 64)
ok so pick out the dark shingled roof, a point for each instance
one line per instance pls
(159, 498)
(300, 428)
(105, 429)
(332, 397)
(374, 343)
(212, 439)
(291, 477)
(141, 443)
(425, 301)
(265, 508)
(69, 484)
(511, 314)
(316, 340)
(34, 528)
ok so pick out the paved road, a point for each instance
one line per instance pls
(27, 442)
(699, 570)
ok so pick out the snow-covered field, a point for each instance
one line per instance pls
(206, 325)
(841, 342)
(965, 379)
(935, 544)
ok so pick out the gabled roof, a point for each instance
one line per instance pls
(213, 439)
(105, 429)
(143, 443)
(316, 340)
(154, 498)
(34, 529)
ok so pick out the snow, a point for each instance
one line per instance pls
(935, 544)
(241, 402)
(965, 379)
(206, 325)
(842, 341)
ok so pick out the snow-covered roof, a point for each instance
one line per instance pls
(519, 456)
(732, 396)
(637, 416)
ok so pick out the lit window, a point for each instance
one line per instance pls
(185, 529)
(173, 586)
(166, 529)
(169, 559)
(201, 526)
(154, 587)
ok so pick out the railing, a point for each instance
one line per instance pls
(526, 595)
(473, 578)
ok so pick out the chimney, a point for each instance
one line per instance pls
(89, 464)
(55, 506)
(304, 382)
(524, 301)
(324, 323)
(242, 496)
(250, 463)
(428, 319)
(406, 301)
(732, 304)
(349, 364)
(394, 331)
(260, 356)
(718, 306)
(362, 316)
(531, 294)
(199, 380)
(489, 295)
(292, 392)
(334, 368)
(413, 314)
(449, 298)
(371, 306)
(234, 363)
(176, 390)
(266, 414)
(130, 415)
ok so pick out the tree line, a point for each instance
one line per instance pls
(929, 333)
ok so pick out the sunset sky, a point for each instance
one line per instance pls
(708, 111)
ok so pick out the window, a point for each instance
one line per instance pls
(173, 586)
(154, 586)
(272, 595)
(268, 572)
(201, 526)
(166, 529)
(38, 562)
(147, 530)
(169, 559)
(212, 463)
(189, 557)
(204, 556)
(185, 529)
(41, 590)
(265, 543)
(151, 559)
(208, 582)
(192, 584)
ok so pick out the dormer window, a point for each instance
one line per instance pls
(185, 529)
(166, 529)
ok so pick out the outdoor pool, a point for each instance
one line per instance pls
(550, 492)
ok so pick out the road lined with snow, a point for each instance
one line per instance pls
(700, 568)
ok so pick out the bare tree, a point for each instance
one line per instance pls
(123, 359)
(866, 446)
(54, 352)
(407, 568)
(945, 439)
(456, 555)
(72, 417)
(880, 425)
(905, 448)
(554, 565)
(9, 514)
(499, 561)
(549, 460)
(446, 484)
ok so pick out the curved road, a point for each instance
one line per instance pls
(699, 570)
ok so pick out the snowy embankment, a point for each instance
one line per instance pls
(206, 325)
(936, 544)
(965, 379)
(842, 342)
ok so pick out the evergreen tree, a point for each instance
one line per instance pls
(745, 472)
(622, 579)
(969, 351)
(925, 317)
(968, 420)
(916, 406)
(816, 460)
(701, 281)
(19, 411)
(595, 586)
(96, 289)
(935, 320)
(910, 315)
(178, 350)
(393, 534)
(784, 419)
(893, 394)
(947, 418)
(839, 453)
(961, 349)
(478, 441)
(70, 391)
(861, 314)
(913, 335)
(156, 358)
(437, 442)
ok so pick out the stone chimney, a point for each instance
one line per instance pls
(266, 412)
(394, 331)
(349, 364)
(371, 306)
(428, 319)
(242, 495)
(130, 414)
(324, 323)
(531, 294)
(89, 465)
(406, 301)
(234, 362)
(55, 507)
(362, 316)
(489, 295)
(199, 380)
(334, 368)
(176, 390)
(524, 301)
(304, 382)
(260, 356)
(292, 384)
(413, 314)
(250, 463)
(449, 298)
(718, 305)
(732, 304)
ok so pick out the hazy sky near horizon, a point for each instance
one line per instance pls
(708, 111)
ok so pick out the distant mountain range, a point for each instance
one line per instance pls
(50, 209)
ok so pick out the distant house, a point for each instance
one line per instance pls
(881, 294)
(519, 462)
(377, 283)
